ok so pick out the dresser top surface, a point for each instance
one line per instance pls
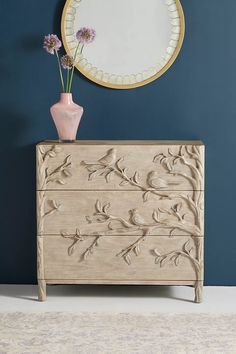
(125, 142)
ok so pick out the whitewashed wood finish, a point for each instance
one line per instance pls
(120, 282)
(67, 167)
(198, 291)
(58, 173)
(40, 269)
(120, 212)
(65, 211)
(106, 263)
(42, 289)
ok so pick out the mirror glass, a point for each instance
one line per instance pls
(136, 40)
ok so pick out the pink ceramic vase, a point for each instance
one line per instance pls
(66, 115)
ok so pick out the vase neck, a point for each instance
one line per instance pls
(66, 98)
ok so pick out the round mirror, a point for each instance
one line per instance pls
(136, 40)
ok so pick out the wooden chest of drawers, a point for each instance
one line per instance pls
(120, 212)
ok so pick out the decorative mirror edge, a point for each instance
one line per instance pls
(124, 86)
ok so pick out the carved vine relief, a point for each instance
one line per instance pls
(108, 166)
(58, 174)
(117, 225)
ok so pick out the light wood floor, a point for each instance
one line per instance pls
(142, 299)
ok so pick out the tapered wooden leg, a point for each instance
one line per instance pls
(198, 291)
(41, 290)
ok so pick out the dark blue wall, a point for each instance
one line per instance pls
(195, 99)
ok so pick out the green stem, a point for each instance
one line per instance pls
(67, 81)
(59, 66)
(73, 69)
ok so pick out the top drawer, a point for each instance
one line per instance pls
(121, 165)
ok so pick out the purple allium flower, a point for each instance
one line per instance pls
(86, 35)
(67, 61)
(51, 43)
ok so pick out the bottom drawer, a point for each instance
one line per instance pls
(149, 258)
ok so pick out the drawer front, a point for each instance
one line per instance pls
(119, 212)
(123, 258)
(120, 167)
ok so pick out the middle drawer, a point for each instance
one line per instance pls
(118, 212)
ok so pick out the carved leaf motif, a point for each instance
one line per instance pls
(163, 261)
(92, 175)
(137, 250)
(97, 241)
(72, 248)
(146, 196)
(164, 211)
(185, 247)
(136, 177)
(60, 181)
(124, 183)
(42, 150)
(127, 259)
(98, 206)
(176, 260)
(46, 172)
(52, 154)
(158, 157)
(175, 160)
(67, 173)
(106, 207)
(65, 233)
(110, 226)
(86, 254)
(177, 207)
(155, 216)
(156, 252)
(168, 166)
(57, 148)
(54, 203)
(68, 159)
(109, 176)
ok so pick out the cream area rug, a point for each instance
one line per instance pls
(65, 333)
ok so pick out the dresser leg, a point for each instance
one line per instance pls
(198, 291)
(41, 290)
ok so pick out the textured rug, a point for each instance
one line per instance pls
(83, 333)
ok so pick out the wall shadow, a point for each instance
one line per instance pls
(17, 179)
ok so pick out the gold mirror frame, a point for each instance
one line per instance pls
(124, 85)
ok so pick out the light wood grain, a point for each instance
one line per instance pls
(124, 142)
(40, 258)
(198, 291)
(120, 212)
(137, 159)
(76, 210)
(105, 262)
(120, 282)
(42, 290)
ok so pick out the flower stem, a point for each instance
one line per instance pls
(67, 81)
(59, 66)
(73, 69)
